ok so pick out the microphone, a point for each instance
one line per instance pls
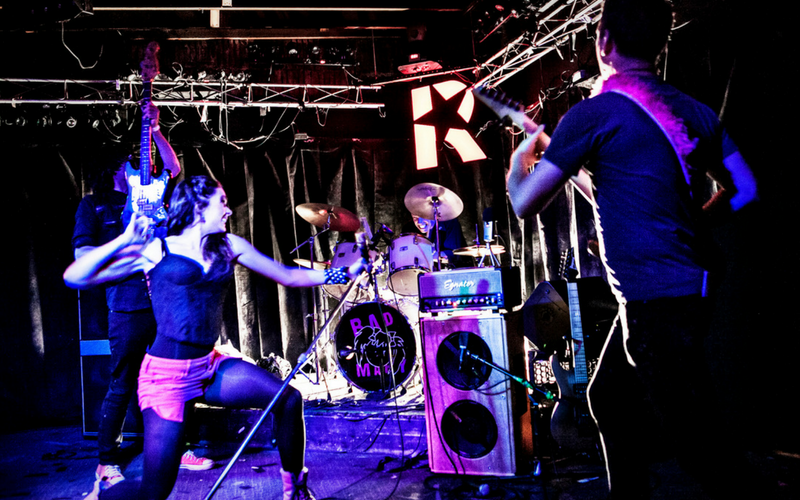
(386, 230)
(488, 230)
(462, 348)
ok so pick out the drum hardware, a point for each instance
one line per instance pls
(433, 202)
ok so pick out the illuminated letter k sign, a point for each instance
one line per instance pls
(428, 118)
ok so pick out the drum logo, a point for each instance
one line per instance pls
(373, 345)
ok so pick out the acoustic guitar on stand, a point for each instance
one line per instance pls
(146, 192)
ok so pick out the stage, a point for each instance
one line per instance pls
(356, 445)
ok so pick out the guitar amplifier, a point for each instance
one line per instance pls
(480, 288)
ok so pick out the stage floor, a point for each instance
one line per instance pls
(58, 463)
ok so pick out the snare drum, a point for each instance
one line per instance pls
(409, 256)
(363, 340)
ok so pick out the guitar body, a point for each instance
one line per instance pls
(571, 423)
(147, 199)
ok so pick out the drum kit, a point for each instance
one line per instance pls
(376, 343)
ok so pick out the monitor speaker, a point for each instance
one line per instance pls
(478, 420)
(96, 365)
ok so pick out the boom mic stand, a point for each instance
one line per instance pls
(300, 363)
(549, 395)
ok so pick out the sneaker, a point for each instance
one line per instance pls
(110, 474)
(190, 461)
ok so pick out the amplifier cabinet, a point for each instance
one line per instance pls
(478, 420)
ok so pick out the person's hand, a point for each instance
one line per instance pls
(138, 231)
(150, 111)
(529, 151)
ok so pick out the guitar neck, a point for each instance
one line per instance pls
(576, 328)
(146, 140)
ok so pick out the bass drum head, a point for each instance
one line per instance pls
(362, 341)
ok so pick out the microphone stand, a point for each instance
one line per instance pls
(537, 470)
(300, 363)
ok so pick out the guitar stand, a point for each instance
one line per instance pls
(300, 363)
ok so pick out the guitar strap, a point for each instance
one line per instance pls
(673, 127)
(642, 94)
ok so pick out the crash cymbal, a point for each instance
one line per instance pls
(320, 214)
(479, 251)
(317, 265)
(421, 200)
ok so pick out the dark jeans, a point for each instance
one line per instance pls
(662, 399)
(129, 335)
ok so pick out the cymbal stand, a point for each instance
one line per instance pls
(301, 361)
(311, 241)
(436, 202)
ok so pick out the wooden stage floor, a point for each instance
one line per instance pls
(354, 452)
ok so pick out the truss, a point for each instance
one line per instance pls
(225, 94)
(557, 22)
(560, 21)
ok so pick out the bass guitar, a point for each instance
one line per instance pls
(508, 109)
(146, 192)
(571, 424)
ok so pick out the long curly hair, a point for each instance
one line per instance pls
(189, 198)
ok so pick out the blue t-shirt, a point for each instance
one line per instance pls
(655, 245)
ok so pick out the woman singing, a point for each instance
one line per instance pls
(188, 272)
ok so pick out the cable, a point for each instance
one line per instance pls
(63, 42)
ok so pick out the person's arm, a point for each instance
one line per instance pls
(119, 258)
(743, 181)
(168, 157)
(531, 191)
(248, 256)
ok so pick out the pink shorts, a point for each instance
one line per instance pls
(166, 385)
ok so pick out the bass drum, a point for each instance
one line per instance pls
(363, 338)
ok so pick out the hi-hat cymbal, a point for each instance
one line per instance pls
(479, 251)
(317, 265)
(424, 200)
(321, 214)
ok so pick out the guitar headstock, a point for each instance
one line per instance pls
(505, 107)
(567, 270)
(149, 64)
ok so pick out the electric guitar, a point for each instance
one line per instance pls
(571, 424)
(146, 193)
(508, 109)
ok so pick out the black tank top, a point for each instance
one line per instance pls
(187, 304)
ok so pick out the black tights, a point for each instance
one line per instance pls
(237, 384)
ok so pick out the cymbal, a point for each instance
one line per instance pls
(317, 265)
(479, 251)
(321, 214)
(421, 200)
